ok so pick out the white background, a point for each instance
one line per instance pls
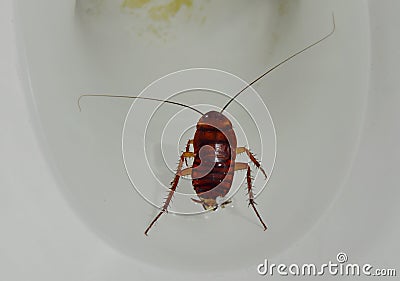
(43, 239)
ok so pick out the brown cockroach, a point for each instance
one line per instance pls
(214, 152)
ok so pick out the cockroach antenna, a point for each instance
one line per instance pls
(282, 62)
(135, 97)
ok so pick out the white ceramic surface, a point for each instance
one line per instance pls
(68, 210)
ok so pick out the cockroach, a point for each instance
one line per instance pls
(214, 152)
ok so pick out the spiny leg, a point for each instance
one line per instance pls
(251, 196)
(174, 184)
(243, 166)
(189, 142)
(252, 158)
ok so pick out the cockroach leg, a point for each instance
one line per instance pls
(223, 205)
(252, 158)
(186, 172)
(187, 154)
(240, 150)
(251, 196)
(243, 166)
(187, 149)
(199, 202)
(172, 189)
(240, 166)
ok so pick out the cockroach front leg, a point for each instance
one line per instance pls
(187, 149)
(174, 184)
(252, 203)
(252, 158)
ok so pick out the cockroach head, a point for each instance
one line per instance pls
(214, 119)
(208, 204)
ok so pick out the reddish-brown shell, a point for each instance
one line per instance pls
(215, 153)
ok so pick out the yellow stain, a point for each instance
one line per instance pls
(134, 4)
(167, 11)
(160, 13)
(283, 7)
(154, 30)
(203, 19)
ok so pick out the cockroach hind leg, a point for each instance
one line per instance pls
(250, 194)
